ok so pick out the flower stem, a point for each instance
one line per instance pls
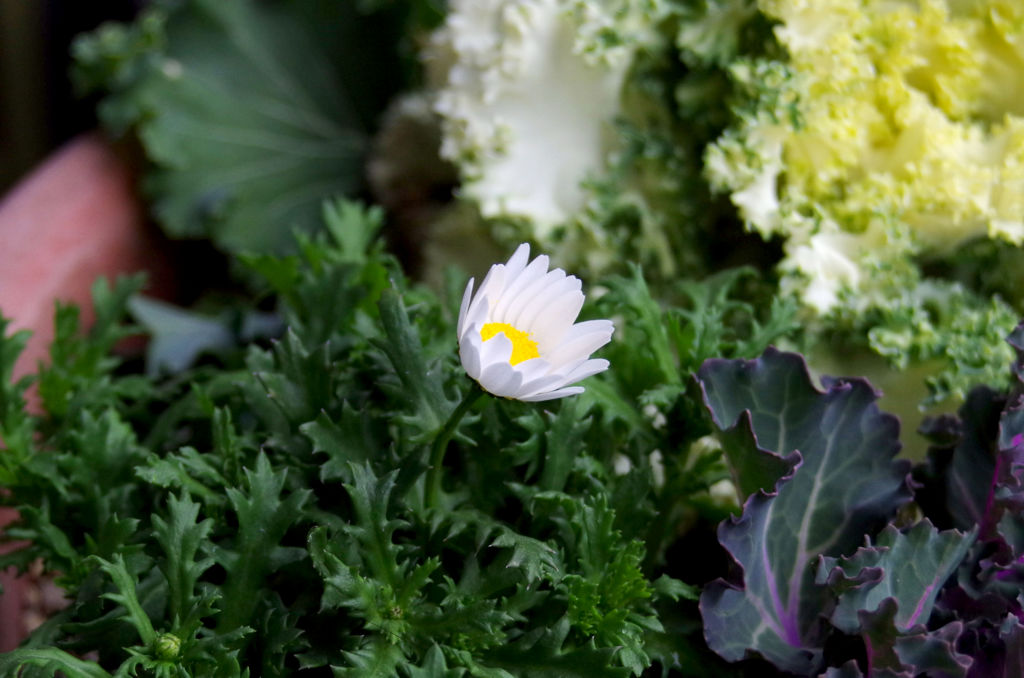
(440, 445)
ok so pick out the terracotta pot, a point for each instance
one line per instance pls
(73, 219)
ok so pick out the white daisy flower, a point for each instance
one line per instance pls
(518, 336)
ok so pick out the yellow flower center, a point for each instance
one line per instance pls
(523, 348)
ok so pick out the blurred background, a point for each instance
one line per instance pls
(38, 107)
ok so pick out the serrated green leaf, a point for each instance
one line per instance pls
(376, 659)
(113, 536)
(609, 602)
(107, 447)
(370, 497)
(280, 637)
(50, 660)
(845, 484)
(361, 569)
(342, 586)
(673, 589)
(537, 559)
(126, 596)
(35, 524)
(263, 518)
(78, 374)
(344, 442)
(186, 469)
(353, 227)
(783, 320)
(16, 427)
(433, 666)
(540, 654)
(301, 381)
(281, 273)
(226, 442)
(180, 537)
(422, 387)
(330, 290)
(562, 436)
(632, 294)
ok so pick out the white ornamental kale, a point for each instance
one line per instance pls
(518, 335)
(894, 129)
(527, 91)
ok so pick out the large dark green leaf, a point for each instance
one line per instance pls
(844, 485)
(252, 113)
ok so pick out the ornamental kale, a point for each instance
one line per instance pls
(882, 144)
(820, 587)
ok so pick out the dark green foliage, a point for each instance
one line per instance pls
(265, 512)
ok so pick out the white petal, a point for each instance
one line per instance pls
(469, 352)
(517, 262)
(501, 379)
(497, 349)
(533, 370)
(588, 326)
(563, 372)
(494, 279)
(466, 297)
(551, 395)
(478, 312)
(490, 288)
(587, 369)
(528, 298)
(576, 346)
(579, 370)
(540, 385)
(555, 283)
(535, 271)
(557, 318)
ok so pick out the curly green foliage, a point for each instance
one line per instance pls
(954, 329)
(944, 325)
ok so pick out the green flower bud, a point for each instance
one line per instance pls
(167, 646)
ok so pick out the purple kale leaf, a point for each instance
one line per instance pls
(908, 567)
(894, 653)
(843, 483)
